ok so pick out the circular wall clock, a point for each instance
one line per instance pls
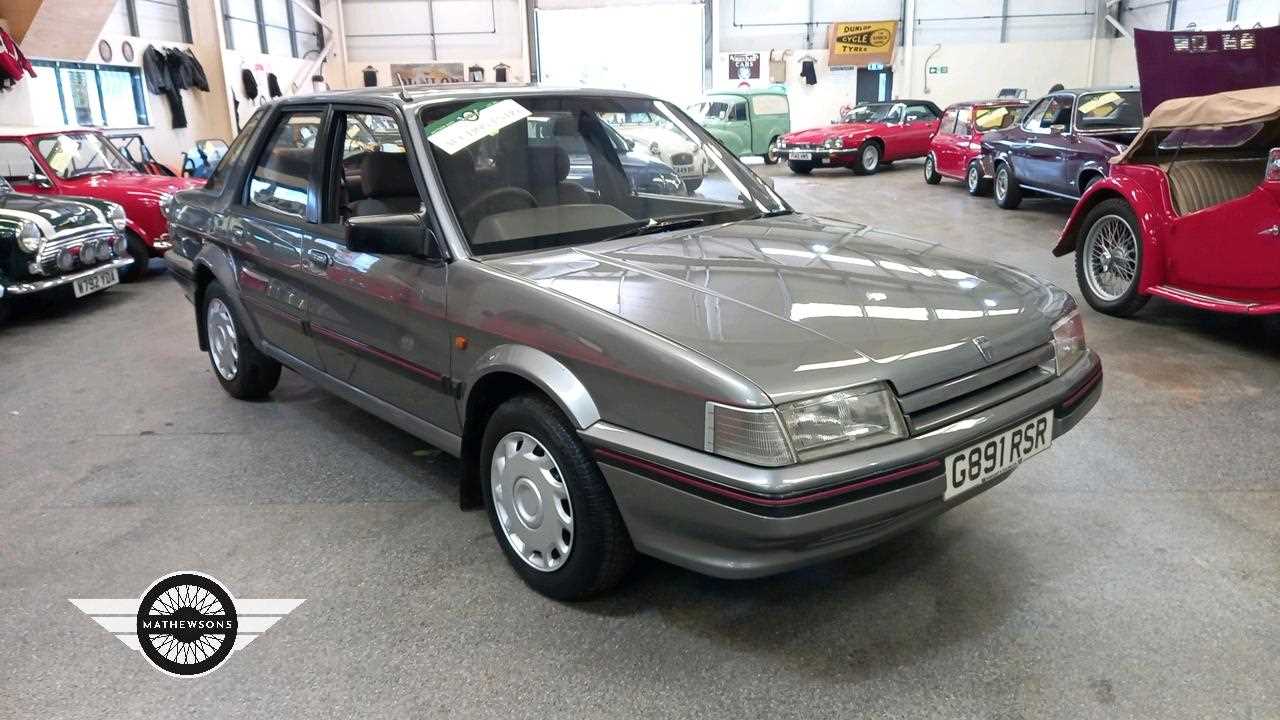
(104, 49)
(126, 51)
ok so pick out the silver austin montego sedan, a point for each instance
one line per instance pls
(706, 377)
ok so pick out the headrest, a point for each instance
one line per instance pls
(386, 174)
(548, 160)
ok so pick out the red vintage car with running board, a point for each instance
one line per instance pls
(866, 137)
(956, 150)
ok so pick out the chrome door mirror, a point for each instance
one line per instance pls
(39, 180)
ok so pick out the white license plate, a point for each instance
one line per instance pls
(801, 156)
(978, 463)
(95, 282)
(687, 171)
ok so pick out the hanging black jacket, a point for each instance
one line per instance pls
(199, 80)
(159, 73)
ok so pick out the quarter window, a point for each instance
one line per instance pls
(948, 125)
(282, 178)
(962, 122)
(16, 162)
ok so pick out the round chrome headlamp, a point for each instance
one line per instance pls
(66, 261)
(89, 253)
(117, 217)
(654, 149)
(29, 236)
(104, 250)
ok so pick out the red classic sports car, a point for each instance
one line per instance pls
(1190, 212)
(866, 137)
(956, 149)
(82, 162)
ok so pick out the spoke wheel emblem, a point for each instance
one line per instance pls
(187, 624)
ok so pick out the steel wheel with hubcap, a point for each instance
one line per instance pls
(1008, 193)
(548, 502)
(1109, 259)
(931, 175)
(868, 159)
(243, 370)
(973, 180)
(771, 154)
(531, 501)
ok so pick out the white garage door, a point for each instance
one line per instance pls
(655, 49)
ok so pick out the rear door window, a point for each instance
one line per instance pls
(282, 179)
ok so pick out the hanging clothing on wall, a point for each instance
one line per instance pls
(778, 65)
(808, 71)
(199, 80)
(160, 81)
(12, 62)
(250, 85)
(370, 76)
(273, 86)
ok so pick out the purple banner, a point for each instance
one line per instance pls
(1187, 63)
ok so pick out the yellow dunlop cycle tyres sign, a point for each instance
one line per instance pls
(862, 43)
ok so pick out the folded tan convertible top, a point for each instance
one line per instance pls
(1233, 107)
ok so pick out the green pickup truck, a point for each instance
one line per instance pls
(748, 121)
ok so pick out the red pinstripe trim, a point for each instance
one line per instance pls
(723, 491)
(1094, 378)
(369, 349)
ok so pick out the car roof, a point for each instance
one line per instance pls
(993, 102)
(1096, 89)
(24, 130)
(748, 92)
(422, 95)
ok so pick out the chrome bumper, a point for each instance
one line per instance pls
(823, 152)
(26, 288)
(728, 519)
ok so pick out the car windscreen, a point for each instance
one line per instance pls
(872, 113)
(995, 118)
(1109, 110)
(5, 186)
(75, 154)
(539, 171)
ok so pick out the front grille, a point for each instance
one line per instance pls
(938, 405)
(47, 256)
(682, 159)
(800, 146)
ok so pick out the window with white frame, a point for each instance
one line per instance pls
(158, 20)
(71, 93)
(272, 27)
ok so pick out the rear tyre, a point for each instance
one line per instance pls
(548, 503)
(1008, 194)
(868, 161)
(141, 258)
(931, 175)
(1109, 259)
(800, 168)
(245, 373)
(974, 182)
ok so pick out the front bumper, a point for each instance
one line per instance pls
(820, 154)
(701, 511)
(35, 286)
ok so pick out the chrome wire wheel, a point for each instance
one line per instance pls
(974, 177)
(1111, 257)
(531, 501)
(223, 348)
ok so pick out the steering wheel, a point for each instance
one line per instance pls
(495, 201)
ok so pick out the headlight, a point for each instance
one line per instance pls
(1068, 342)
(782, 143)
(654, 149)
(842, 421)
(29, 236)
(834, 142)
(806, 429)
(166, 204)
(117, 217)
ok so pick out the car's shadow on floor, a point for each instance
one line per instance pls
(1257, 334)
(939, 584)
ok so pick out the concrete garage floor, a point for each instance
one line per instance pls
(1131, 571)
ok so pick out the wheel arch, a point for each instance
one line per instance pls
(503, 373)
(213, 263)
(1151, 228)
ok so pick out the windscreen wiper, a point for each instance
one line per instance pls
(655, 226)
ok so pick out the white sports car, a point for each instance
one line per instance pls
(657, 137)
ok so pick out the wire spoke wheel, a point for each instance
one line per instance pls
(531, 501)
(1110, 257)
(223, 348)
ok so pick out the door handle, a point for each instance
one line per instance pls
(318, 259)
(1273, 230)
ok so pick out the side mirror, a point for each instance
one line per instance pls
(1057, 129)
(40, 180)
(394, 234)
(1273, 165)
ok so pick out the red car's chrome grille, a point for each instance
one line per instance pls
(938, 405)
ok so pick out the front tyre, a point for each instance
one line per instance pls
(974, 182)
(799, 167)
(771, 155)
(141, 258)
(1109, 259)
(1008, 194)
(931, 175)
(868, 159)
(548, 504)
(245, 373)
